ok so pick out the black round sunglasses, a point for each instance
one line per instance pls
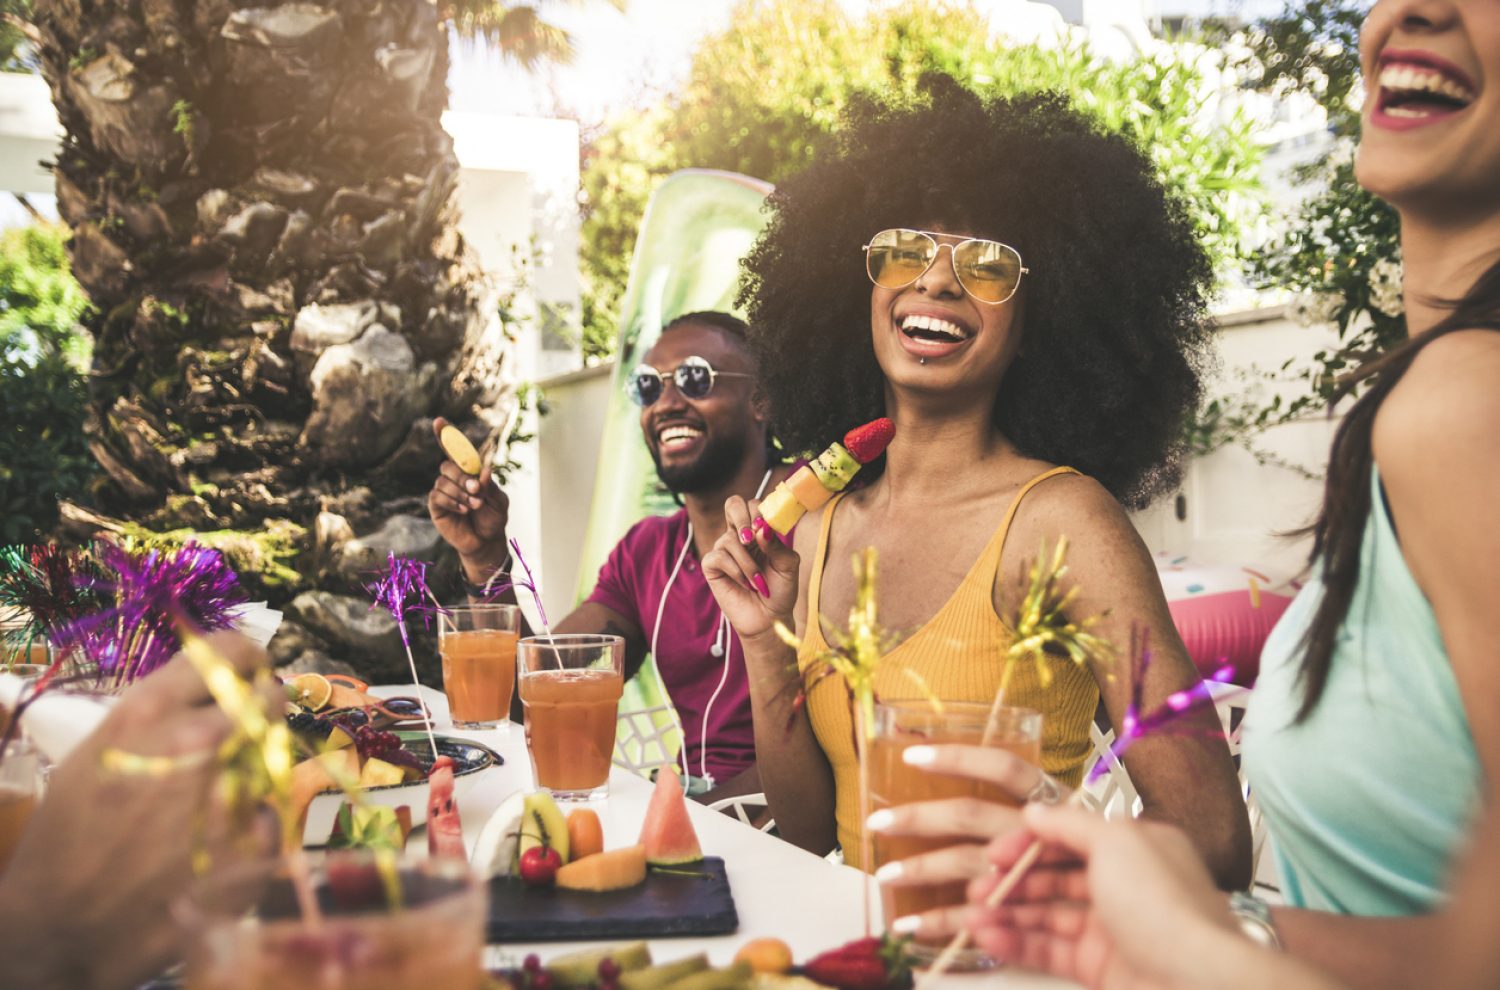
(694, 378)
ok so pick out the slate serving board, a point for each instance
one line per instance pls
(666, 904)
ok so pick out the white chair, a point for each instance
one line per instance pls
(644, 739)
(1114, 794)
(744, 807)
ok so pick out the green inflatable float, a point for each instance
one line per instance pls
(697, 227)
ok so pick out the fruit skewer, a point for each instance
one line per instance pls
(811, 486)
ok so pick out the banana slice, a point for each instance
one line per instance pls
(458, 447)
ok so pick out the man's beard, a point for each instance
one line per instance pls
(720, 459)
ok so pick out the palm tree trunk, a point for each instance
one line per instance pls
(261, 206)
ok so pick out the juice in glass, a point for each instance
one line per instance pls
(899, 725)
(570, 688)
(478, 648)
(246, 932)
(18, 795)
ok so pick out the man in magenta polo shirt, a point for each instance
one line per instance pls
(709, 439)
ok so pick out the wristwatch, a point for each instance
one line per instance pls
(1254, 917)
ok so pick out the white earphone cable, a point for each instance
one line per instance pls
(723, 641)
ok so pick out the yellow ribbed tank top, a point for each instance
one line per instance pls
(959, 655)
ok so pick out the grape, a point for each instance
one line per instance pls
(533, 963)
(541, 980)
(609, 970)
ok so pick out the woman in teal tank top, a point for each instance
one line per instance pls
(1373, 735)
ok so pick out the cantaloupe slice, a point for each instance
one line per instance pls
(807, 488)
(667, 834)
(612, 870)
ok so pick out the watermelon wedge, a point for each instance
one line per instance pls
(445, 833)
(667, 833)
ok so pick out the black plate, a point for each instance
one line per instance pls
(666, 904)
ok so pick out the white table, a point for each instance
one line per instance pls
(779, 890)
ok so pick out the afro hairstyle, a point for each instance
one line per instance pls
(1114, 328)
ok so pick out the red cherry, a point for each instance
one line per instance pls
(609, 970)
(539, 866)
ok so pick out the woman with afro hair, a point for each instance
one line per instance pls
(1035, 329)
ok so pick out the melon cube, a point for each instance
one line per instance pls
(614, 869)
(806, 487)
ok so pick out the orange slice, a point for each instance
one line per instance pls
(313, 691)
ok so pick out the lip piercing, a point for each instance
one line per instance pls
(921, 360)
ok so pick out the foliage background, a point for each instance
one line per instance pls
(1339, 252)
(43, 456)
(763, 96)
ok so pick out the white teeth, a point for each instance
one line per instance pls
(1410, 79)
(674, 434)
(933, 324)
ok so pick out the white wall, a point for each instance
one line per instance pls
(1235, 506)
(568, 453)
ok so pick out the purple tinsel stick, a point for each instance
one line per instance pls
(401, 588)
(405, 580)
(500, 587)
(1164, 719)
(152, 591)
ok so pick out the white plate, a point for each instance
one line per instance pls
(471, 761)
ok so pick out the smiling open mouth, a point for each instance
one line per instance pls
(677, 436)
(934, 330)
(1418, 91)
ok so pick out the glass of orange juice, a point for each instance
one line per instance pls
(570, 686)
(478, 647)
(245, 927)
(19, 786)
(892, 782)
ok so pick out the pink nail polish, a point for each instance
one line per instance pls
(760, 585)
(747, 535)
(760, 525)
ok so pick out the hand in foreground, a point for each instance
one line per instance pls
(971, 820)
(470, 514)
(85, 900)
(1110, 904)
(753, 575)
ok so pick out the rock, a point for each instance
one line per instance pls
(350, 623)
(319, 327)
(330, 532)
(280, 62)
(253, 232)
(214, 209)
(314, 661)
(418, 457)
(130, 120)
(406, 71)
(99, 262)
(289, 187)
(365, 396)
(292, 639)
(414, 537)
(290, 26)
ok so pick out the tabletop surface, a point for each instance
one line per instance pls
(779, 890)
